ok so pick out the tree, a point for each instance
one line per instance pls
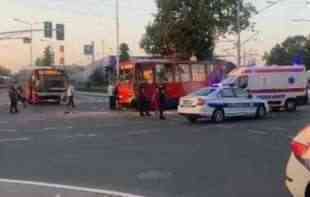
(190, 27)
(295, 47)
(38, 62)
(124, 52)
(47, 59)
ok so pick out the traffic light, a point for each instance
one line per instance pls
(48, 29)
(60, 31)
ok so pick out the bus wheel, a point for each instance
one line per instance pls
(290, 105)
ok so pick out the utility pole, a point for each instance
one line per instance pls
(31, 44)
(117, 39)
(93, 52)
(239, 33)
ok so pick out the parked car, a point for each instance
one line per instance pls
(219, 102)
(298, 167)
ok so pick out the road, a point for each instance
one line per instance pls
(93, 147)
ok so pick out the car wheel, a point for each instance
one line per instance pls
(218, 116)
(261, 112)
(192, 119)
(290, 105)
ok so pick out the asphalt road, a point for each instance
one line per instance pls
(119, 151)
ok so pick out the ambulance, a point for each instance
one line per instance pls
(282, 86)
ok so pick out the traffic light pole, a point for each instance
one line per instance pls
(31, 46)
(117, 41)
(239, 33)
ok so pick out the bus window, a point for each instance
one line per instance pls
(164, 73)
(199, 72)
(183, 73)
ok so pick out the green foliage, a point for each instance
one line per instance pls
(124, 52)
(284, 53)
(47, 59)
(190, 27)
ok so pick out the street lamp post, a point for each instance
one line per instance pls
(239, 33)
(31, 35)
(117, 40)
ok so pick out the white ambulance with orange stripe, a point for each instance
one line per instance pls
(282, 86)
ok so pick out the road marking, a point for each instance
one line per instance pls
(67, 187)
(8, 130)
(278, 129)
(15, 139)
(257, 132)
(49, 129)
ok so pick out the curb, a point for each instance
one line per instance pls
(92, 94)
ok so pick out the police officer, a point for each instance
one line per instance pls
(13, 99)
(162, 101)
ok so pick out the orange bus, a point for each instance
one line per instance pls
(179, 77)
(43, 84)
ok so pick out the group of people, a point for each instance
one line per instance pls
(158, 102)
(144, 103)
(16, 94)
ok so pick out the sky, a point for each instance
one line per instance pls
(94, 20)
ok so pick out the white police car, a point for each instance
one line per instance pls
(219, 102)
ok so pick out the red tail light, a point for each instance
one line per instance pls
(201, 102)
(299, 149)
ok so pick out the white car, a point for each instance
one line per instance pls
(298, 167)
(219, 102)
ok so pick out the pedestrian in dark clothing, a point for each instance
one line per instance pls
(143, 103)
(13, 100)
(21, 96)
(113, 94)
(162, 101)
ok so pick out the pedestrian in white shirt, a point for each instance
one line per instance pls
(70, 95)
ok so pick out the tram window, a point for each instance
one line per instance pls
(164, 73)
(148, 76)
(183, 73)
(198, 71)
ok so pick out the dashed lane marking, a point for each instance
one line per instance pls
(107, 193)
(24, 139)
(257, 132)
(8, 130)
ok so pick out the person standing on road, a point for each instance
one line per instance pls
(112, 91)
(162, 101)
(21, 96)
(70, 95)
(13, 99)
(143, 102)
